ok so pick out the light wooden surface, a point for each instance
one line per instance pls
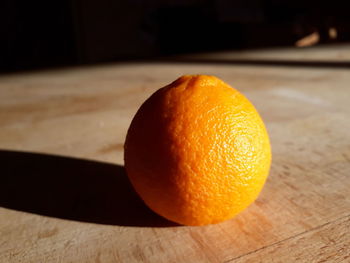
(82, 209)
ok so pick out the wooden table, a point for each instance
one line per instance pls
(65, 196)
(336, 53)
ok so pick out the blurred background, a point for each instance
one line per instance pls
(40, 34)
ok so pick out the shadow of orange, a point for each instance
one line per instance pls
(73, 189)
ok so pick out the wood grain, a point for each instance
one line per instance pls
(327, 243)
(80, 208)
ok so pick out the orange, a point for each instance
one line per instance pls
(197, 151)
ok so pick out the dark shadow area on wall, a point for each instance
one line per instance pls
(55, 33)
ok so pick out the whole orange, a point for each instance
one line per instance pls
(197, 151)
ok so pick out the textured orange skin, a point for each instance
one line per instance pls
(197, 151)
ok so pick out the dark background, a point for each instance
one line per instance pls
(38, 34)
